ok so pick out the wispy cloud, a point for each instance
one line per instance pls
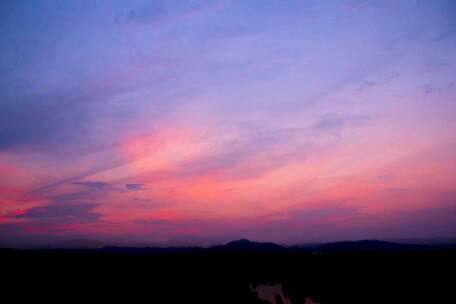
(156, 13)
(63, 213)
(134, 187)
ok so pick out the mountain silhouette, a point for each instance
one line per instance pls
(384, 272)
(78, 244)
(369, 245)
(146, 250)
(246, 245)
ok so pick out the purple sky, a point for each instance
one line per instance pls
(197, 122)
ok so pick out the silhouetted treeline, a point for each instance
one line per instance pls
(229, 275)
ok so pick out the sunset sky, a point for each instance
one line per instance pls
(198, 122)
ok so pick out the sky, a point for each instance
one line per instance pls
(198, 122)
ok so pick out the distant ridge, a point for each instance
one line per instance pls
(246, 245)
(369, 245)
(78, 244)
(144, 250)
(446, 241)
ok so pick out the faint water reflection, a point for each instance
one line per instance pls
(273, 294)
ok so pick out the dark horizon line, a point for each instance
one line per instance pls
(91, 244)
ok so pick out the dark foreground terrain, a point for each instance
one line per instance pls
(369, 272)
